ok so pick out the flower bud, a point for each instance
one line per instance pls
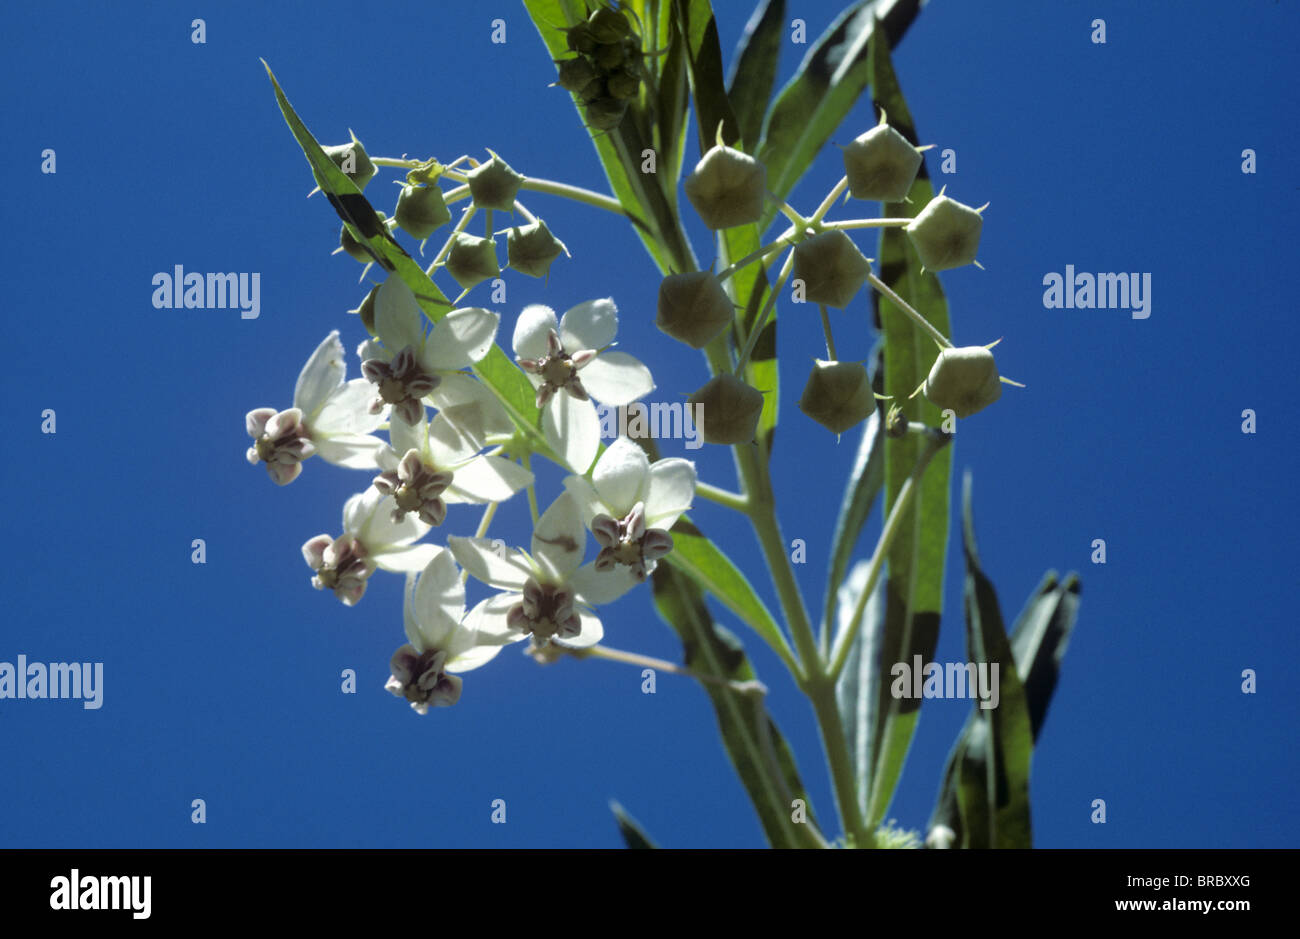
(605, 113)
(493, 184)
(421, 210)
(580, 39)
(623, 84)
(881, 165)
(530, 249)
(727, 188)
(575, 73)
(965, 380)
(608, 25)
(367, 310)
(831, 267)
(693, 308)
(610, 55)
(946, 234)
(731, 409)
(354, 247)
(472, 260)
(838, 395)
(353, 155)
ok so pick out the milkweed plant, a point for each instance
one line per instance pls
(454, 402)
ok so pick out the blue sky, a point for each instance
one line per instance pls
(221, 681)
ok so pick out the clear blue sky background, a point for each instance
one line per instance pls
(222, 680)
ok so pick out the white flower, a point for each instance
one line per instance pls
(371, 539)
(442, 641)
(330, 417)
(629, 505)
(547, 594)
(433, 463)
(409, 365)
(552, 355)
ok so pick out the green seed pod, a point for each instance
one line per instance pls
(421, 210)
(494, 184)
(609, 56)
(693, 308)
(530, 249)
(575, 74)
(831, 267)
(965, 380)
(580, 39)
(593, 90)
(367, 310)
(838, 395)
(354, 247)
(353, 155)
(605, 113)
(608, 25)
(727, 188)
(730, 409)
(623, 84)
(472, 260)
(946, 234)
(881, 165)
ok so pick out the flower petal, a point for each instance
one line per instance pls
(487, 621)
(616, 378)
(398, 319)
(455, 434)
(404, 559)
(622, 477)
(592, 632)
(358, 509)
(474, 657)
(380, 532)
(672, 489)
(459, 338)
(351, 451)
(530, 331)
(584, 493)
(323, 373)
(487, 479)
(458, 389)
(559, 538)
(439, 600)
(590, 325)
(347, 410)
(600, 587)
(403, 437)
(572, 430)
(507, 570)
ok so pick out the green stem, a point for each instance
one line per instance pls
(866, 223)
(826, 328)
(909, 310)
(723, 497)
(767, 309)
(829, 201)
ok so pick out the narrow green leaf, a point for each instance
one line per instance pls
(496, 369)
(1039, 640)
(754, 71)
(757, 750)
(857, 694)
(696, 25)
(1009, 741)
(824, 89)
(914, 587)
(703, 561)
(634, 835)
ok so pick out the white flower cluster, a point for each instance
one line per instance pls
(471, 451)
